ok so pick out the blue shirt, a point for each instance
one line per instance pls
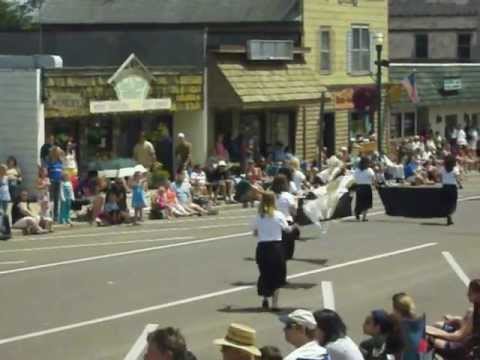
(410, 169)
(183, 192)
(55, 171)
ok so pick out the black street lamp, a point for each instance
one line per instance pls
(379, 39)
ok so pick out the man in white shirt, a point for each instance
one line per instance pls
(300, 331)
(461, 137)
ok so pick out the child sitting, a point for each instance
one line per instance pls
(112, 210)
(160, 210)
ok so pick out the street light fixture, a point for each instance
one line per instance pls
(379, 40)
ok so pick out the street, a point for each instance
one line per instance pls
(87, 293)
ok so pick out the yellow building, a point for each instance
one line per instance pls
(342, 37)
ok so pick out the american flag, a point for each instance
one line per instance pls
(410, 84)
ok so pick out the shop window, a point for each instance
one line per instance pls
(464, 46)
(359, 52)
(421, 46)
(361, 125)
(396, 126)
(409, 124)
(325, 50)
(278, 129)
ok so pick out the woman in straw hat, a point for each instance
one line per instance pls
(239, 343)
(270, 254)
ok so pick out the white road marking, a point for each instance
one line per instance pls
(199, 298)
(12, 262)
(113, 233)
(123, 253)
(105, 243)
(455, 267)
(328, 295)
(138, 349)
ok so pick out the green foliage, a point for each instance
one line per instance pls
(14, 16)
(158, 176)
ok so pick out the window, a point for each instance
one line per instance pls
(360, 51)
(396, 126)
(270, 50)
(325, 50)
(361, 125)
(464, 46)
(409, 124)
(403, 125)
(421, 46)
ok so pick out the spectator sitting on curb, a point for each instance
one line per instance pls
(167, 344)
(239, 343)
(300, 331)
(24, 219)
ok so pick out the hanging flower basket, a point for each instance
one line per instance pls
(365, 98)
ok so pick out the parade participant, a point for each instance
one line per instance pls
(450, 180)
(66, 197)
(138, 196)
(287, 205)
(458, 344)
(14, 175)
(298, 176)
(364, 179)
(43, 192)
(386, 337)
(5, 197)
(270, 253)
(300, 331)
(332, 334)
(238, 343)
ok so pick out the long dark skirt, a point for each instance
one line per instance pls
(288, 240)
(271, 263)
(364, 198)
(450, 197)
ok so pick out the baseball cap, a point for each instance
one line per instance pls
(300, 317)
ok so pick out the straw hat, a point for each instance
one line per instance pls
(240, 337)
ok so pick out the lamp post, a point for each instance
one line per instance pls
(379, 38)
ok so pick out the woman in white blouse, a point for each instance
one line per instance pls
(450, 180)
(270, 257)
(364, 178)
(287, 204)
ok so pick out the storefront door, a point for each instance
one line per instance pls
(329, 133)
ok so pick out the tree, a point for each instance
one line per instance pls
(15, 15)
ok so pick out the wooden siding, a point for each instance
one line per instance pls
(339, 17)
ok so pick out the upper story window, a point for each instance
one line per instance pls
(270, 50)
(464, 51)
(359, 50)
(421, 46)
(325, 50)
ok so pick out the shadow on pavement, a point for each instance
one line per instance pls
(254, 310)
(319, 262)
(289, 286)
(433, 224)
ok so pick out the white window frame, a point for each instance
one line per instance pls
(325, 51)
(362, 50)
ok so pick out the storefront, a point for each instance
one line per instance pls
(263, 104)
(104, 110)
(447, 97)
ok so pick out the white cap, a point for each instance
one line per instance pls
(222, 163)
(300, 317)
(181, 135)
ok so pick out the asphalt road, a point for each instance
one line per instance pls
(87, 293)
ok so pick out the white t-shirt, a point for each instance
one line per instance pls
(198, 178)
(309, 351)
(298, 178)
(364, 177)
(270, 228)
(461, 138)
(344, 349)
(450, 178)
(474, 140)
(286, 201)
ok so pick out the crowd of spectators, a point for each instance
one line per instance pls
(398, 334)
